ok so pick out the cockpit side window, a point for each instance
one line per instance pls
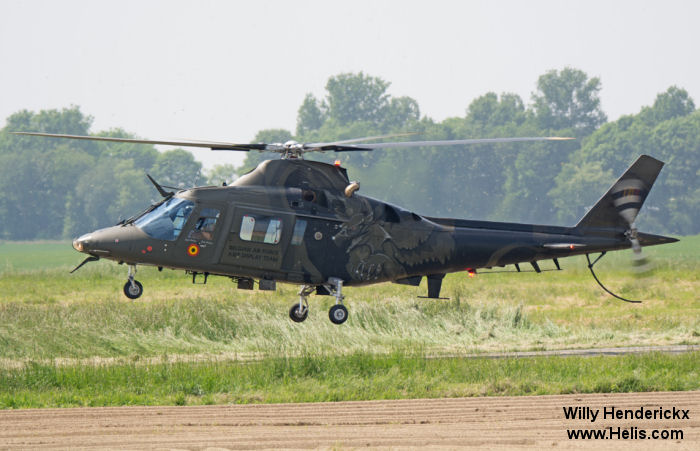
(261, 229)
(205, 225)
(167, 220)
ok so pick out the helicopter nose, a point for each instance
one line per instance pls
(81, 244)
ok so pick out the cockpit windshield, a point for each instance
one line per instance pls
(166, 221)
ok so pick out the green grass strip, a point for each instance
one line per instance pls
(360, 376)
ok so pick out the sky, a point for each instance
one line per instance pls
(223, 70)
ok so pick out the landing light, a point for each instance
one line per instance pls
(337, 163)
(79, 243)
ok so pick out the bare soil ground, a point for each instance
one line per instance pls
(490, 423)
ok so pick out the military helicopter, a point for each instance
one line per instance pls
(303, 222)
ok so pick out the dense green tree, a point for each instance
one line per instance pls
(52, 187)
(504, 181)
(566, 103)
(310, 116)
(675, 102)
(672, 204)
(268, 136)
(400, 112)
(21, 202)
(273, 136)
(489, 110)
(113, 190)
(36, 173)
(568, 99)
(576, 188)
(177, 168)
(34, 191)
(221, 173)
(530, 176)
(65, 165)
(69, 121)
(143, 155)
(470, 178)
(356, 98)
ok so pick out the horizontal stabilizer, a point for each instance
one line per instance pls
(570, 246)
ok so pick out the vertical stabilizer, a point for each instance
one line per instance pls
(618, 208)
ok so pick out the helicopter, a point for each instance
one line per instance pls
(303, 222)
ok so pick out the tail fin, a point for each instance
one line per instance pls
(618, 207)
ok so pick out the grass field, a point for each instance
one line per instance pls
(82, 338)
(47, 313)
(360, 376)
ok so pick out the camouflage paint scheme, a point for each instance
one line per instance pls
(358, 239)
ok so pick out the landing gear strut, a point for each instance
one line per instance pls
(338, 314)
(300, 310)
(133, 288)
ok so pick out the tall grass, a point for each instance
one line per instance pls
(74, 340)
(46, 313)
(359, 376)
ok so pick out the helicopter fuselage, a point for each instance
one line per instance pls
(302, 222)
(292, 221)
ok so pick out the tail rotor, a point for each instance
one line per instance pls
(628, 195)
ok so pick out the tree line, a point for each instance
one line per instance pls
(61, 188)
(54, 188)
(541, 182)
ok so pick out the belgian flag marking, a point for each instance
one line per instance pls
(193, 250)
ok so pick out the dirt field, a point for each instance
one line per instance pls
(505, 423)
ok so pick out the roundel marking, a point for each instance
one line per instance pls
(193, 250)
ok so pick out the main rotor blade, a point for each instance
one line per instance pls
(337, 146)
(194, 143)
(456, 142)
(357, 140)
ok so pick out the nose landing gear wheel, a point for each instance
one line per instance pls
(133, 291)
(297, 313)
(338, 314)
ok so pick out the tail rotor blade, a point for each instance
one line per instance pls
(640, 263)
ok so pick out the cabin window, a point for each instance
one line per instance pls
(166, 221)
(298, 234)
(205, 225)
(261, 229)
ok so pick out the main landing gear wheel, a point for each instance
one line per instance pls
(298, 313)
(133, 290)
(338, 314)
